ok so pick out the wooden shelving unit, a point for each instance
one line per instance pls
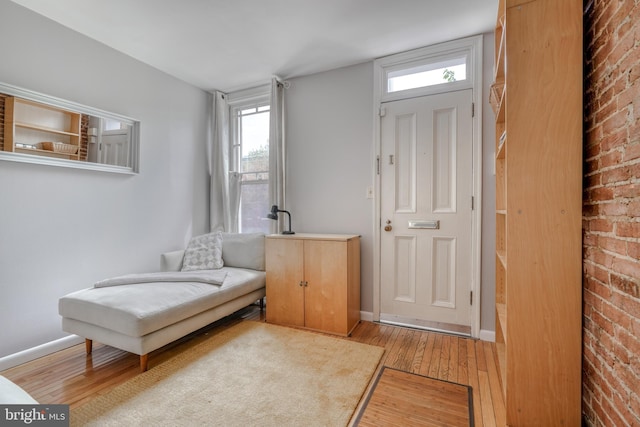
(27, 124)
(537, 100)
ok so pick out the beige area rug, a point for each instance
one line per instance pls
(252, 374)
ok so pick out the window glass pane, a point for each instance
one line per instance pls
(250, 151)
(254, 206)
(254, 131)
(427, 75)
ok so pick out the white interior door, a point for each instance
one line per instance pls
(426, 211)
(114, 148)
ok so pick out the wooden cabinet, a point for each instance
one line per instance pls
(34, 128)
(313, 281)
(537, 98)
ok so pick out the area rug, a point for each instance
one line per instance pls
(252, 374)
(403, 398)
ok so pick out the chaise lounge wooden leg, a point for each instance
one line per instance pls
(88, 345)
(144, 362)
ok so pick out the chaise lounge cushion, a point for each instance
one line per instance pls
(136, 310)
(243, 250)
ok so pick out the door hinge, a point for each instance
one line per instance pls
(471, 298)
(382, 111)
(377, 165)
(472, 203)
(473, 109)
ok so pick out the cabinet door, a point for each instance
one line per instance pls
(325, 264)
(285, 272)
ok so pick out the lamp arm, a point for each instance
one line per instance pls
(289, 215)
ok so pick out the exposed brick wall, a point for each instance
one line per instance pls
(611, 217)
(1, 122)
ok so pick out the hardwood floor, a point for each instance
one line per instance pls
(70, 377)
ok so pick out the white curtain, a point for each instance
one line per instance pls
(277, 150)
(225, 185)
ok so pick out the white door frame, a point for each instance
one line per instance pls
(472, 47)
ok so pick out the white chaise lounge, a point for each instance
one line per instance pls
(145, 312)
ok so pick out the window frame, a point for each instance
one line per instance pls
(423, 58)
(241, 100)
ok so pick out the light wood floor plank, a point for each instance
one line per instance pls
(70, 377)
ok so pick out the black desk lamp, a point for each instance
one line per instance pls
(274, 215)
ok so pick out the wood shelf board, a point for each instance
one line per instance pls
(46, 153)
(45, 129)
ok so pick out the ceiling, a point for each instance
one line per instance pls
(234, 44)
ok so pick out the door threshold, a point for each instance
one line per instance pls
(446, 328)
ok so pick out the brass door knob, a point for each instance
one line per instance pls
(388, 226)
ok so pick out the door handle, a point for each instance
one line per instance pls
(388, 227)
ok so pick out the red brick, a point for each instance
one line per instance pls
(634, 127)
(605, 112)
(617, 316)
(627, 191)
(633, 250)
(603, 259)
(593, 180)
(613, 209)
(599, 290)
(591, 151)
(629, 305)
(633, 208)
(615, 140)
(601, 194)
(601, 225)
(627, 267)
(628, 229)
(612, 158)
(626, 286)
(613, 245)
(615, 175)
(634, 170)
(603, 323)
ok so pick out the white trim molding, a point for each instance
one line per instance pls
(34, 353)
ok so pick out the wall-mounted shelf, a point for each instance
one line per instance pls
(28, 124)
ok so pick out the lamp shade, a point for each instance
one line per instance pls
(274, 215)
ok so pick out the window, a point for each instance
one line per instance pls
(441, 68)
(431, 74)
(250, 158)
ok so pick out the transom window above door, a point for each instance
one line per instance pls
(430, 74)
(442, 68)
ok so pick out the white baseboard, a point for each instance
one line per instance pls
(33, 353)
(487, 335)
(366, 315)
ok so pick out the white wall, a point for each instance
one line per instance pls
(63, 229)
(330, 165)
(329, 135)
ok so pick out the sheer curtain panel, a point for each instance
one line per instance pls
(277, 150)
(225, 186)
